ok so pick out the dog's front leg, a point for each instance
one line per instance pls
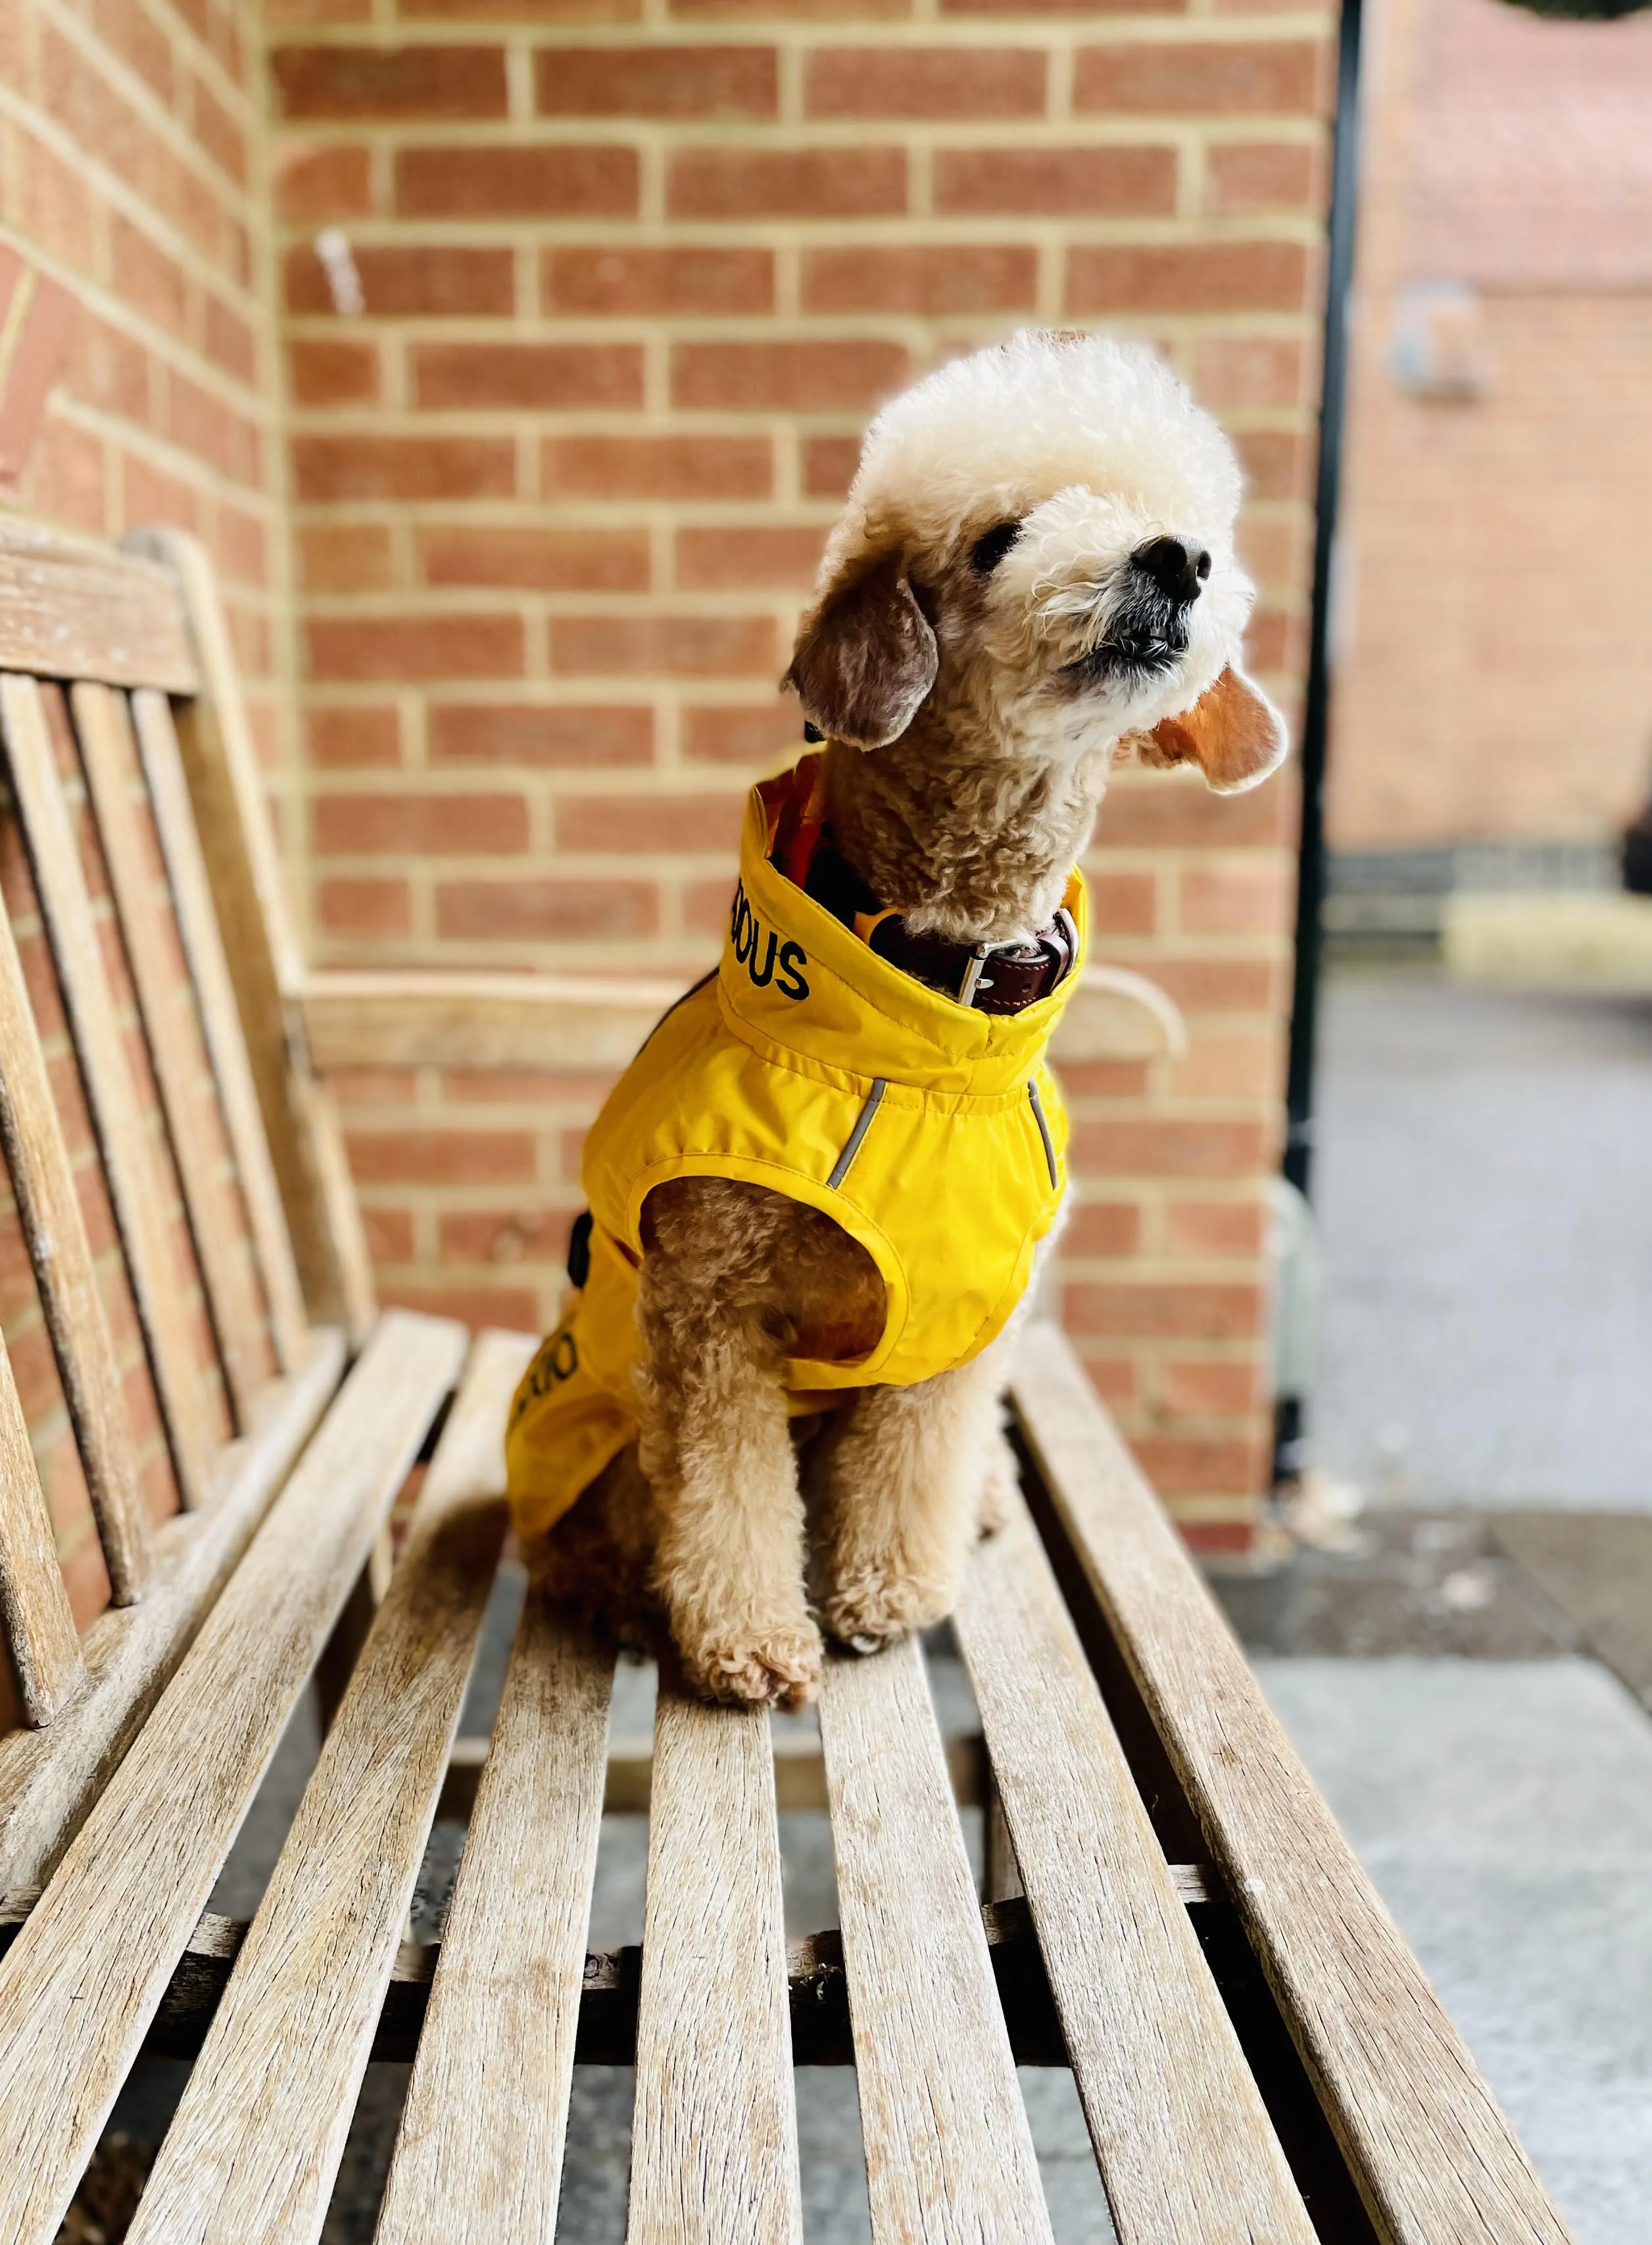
(903, 1500)
(729, 1564)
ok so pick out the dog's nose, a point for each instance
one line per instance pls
(1176, 566)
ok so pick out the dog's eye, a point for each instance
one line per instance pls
(988, 551)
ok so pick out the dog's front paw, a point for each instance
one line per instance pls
(776, 1667)
(873, 1609)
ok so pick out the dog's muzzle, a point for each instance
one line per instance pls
(1149, 631)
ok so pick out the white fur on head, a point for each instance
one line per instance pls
(1093, 448)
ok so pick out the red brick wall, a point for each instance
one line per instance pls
(1496, 673)
(632, 282)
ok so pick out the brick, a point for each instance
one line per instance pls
(655, 645)
(1056, 182)
(413, 647)
(829, 463)
(1150, 1310)
(567, 182)
(544, 910)
(927, 279)
(1124, 903)
(135, 38)
(678, 467)
(1191, 1465)
(339, 557)
(556, 737)
(1102, 1227)
(1177, 810)
(1215, 1228)
(656, 80)
(517, 1309)
(324, 183)
(1204, 276)
(389, 82)
(1234, 372)
(359, 1087)
(813, 12)
(147, 277)
(219, 133)
(421, 825)
(1064, 7)
(404, 467)
(350, 908)
(1278, 463)
(546, 378)
(1196, 1389)
(531, 11)
(1223, 985)
(531, 1087)
(413, 282)
(390, 1233)
(656, 823)
(1263, 175)
(436, 1157)
(324, 372)
(149, 494)
(1171, 1146)
(1243, 900)
(693, 283)
(240, 547)
(228, 339)
(826, 376)
(1208, 1538)
(925, 82)
(1218, 79)
(504, 1236)
(749, 556)
(539, 559)
(740, 734)
(342, 738)
(815, 183)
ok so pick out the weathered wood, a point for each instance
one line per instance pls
(81, 1983)
(221, 1023)
(72, 608)
(227, 789)
(255, 2146)
(949, 2157)
(109, 754)
(35, 1619)
(54, 1230)
(1186, 2150)
(714, 2136)
(1435, 2160)
(48, 1780)
(478, 2156)
(128, 1158)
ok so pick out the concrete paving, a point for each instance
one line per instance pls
(1504, 1809)
(1484, 1185)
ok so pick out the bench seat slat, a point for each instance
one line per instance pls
(255, 2146)
(102, 724)
(714, 2144)
(54, 1229)
(950, 2156)
(221, 1020)
(48, 1780)
(478, 2156)
(35, 1623)
(134, 1188)
(84, 1979)
(1186, 2150)
(1434, 2158)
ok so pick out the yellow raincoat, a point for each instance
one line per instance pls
(933, 1133)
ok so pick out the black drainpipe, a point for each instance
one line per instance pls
(1299, 1091)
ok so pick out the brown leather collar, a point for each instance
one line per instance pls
(991, 978)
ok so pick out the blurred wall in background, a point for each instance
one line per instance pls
(1495, 679)
(561, 411)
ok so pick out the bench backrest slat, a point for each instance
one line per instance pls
(105, 1067)
(70, 608)
(35, 1615)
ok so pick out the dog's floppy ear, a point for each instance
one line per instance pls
(1232, 733)
(866, 658)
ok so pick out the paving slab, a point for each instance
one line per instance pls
(1504, 1809)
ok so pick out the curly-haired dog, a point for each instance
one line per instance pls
(817, 1193)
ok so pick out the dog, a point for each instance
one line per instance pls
(774, 1413)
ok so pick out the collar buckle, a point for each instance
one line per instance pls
(974, 978)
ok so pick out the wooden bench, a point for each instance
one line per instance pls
(1176, 1917)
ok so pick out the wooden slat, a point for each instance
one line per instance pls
(109, 754)
(48, 1780)
(226, 788)
(949, 2157)
(55, 1231)
(478, 2157)
(35, 1621)
(255, 2146)
(714, 2138)
(1186, 2150)
(1434, 2158)
(70, 609)
(134, 1186)
(221, 1022)
(89, 1969)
